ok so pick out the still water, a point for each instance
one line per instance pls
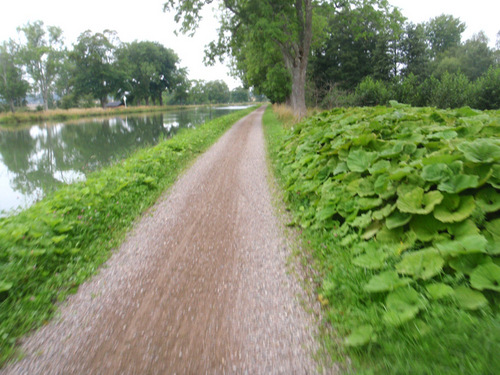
(38, 159)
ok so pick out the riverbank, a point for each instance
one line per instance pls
(10, 120)
(48, 250)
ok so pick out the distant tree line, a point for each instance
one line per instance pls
(349, 53)
(97, 68)
(371, 54)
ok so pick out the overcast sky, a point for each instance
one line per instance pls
(145, 20)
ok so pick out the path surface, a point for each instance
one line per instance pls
(198, 287)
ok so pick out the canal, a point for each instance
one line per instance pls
(39, 158)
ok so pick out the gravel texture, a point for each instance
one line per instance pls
(199, 286)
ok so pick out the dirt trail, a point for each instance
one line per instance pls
(198, 287)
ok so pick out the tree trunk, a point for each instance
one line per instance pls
(161, 99)
(298, 95)
(296, 61)
(11, 103)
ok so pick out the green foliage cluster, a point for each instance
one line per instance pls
(450, 90)
(402, 209)
(47, 250)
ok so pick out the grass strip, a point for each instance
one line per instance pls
(13, 119)
(446, 329)
(48, 250)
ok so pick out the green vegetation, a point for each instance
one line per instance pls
(401, 209)
(49, 249)
(72, 114)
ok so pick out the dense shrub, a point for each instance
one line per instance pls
(452, 91)
(370, 93)
(487, 90)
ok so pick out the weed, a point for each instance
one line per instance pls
(392, 202)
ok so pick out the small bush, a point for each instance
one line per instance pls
(336, 97)
(453, 91)
(487, 90)
(371, 93)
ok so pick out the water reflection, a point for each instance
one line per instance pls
(39, 159)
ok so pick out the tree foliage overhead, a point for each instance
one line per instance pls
(280, 32)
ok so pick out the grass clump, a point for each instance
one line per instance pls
(401, 208)
(49, 249)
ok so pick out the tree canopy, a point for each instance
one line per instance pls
(279, 32)
(42, 54)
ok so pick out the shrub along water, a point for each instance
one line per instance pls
(401, 207)
(49, 249)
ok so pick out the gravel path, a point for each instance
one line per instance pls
(198, 287)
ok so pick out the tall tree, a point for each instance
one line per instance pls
(96, 71)
(415, 51)
(13, 87)
(444, 32)
(42, 54)
(476, 56)
(287, 24)
(362, 40)
(217, 91)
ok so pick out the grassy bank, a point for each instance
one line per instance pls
(13, 119)
(401, 209)
(49, 249)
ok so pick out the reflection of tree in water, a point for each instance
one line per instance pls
(42, 158)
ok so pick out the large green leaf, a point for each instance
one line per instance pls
(481, 151)
(467, 263)
(418, 202)
(326, 212)
(397, 219)
(454, 208)
(464, 245)
(361, 336)
(372, 259)
(488, 199)
(470, 299)
(426, 227)
(5, 286)
(372, 230)
(436, 172)
(369, 203)
(495, 176)
(439, 290)
(360, 160)
(380, 167)
(459, 183)
(463, 228)
(403, 305)
(486, 276)
(362, 221)
(493, 228)
(422, 264)
(384, 212)
(386, 281)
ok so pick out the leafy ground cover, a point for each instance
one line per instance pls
(49, 249)
(401, 208)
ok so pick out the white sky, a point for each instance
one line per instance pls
(145, 20)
